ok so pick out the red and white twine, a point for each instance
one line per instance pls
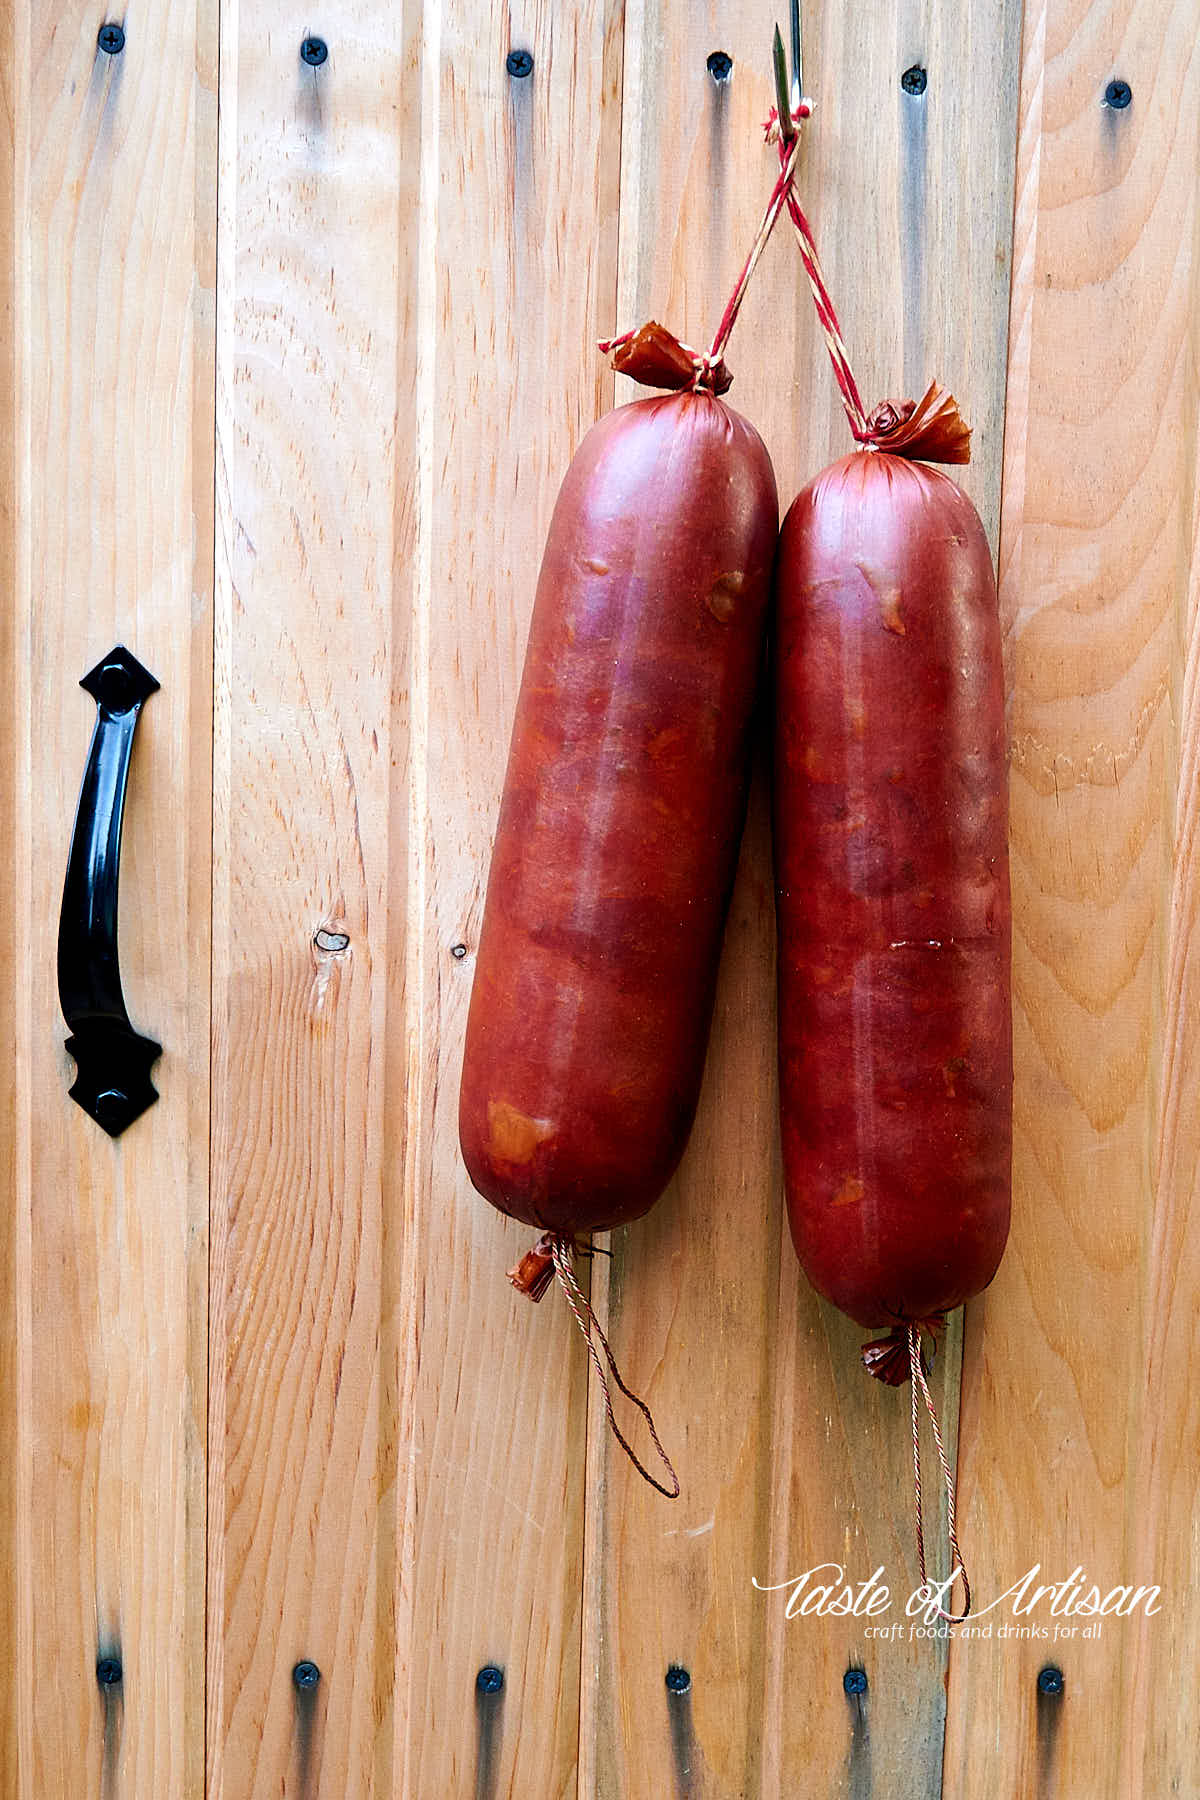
(839, 356)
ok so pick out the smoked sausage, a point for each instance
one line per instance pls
(622, 812)
(890, 814)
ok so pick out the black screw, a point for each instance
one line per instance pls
(110, 1104)
(678, 1680)
(116, 687)
(490, 1679)
(720, 65)
(519, 63)
(1118, 94)
(314, 51)
(1050, 1680)
(111, 39)
(458, 951)
(306, 1675)
(108, 1671)
(854, 1681)
(914, 80)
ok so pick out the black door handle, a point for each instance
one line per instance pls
(113, 1082)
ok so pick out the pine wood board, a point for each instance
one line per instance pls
(788, 1455)
(518, 258)
(108, 506)
(310, 444)
(13, 74)
(1078, 1421)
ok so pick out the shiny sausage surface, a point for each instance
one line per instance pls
(622, 813)
(890, 800)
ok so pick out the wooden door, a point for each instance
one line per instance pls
(296, 1497)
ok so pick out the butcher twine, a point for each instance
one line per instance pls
(917, 1369)
(585, 1318)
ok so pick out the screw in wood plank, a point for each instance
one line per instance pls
(314, 51)
(110, 1106)
(490, 1679)
(678, 1680)
(854, 1681)
(458, 951)
(109, 1671)
(306, 1675)
(333, 943)
(1050, 1680)
(1118, 94)
(720, 65)
(111, 39)
(519, 64)
(914, 80)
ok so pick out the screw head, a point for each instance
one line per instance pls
(490, 1679)
(1118, 94)
(458, 951)
(111, 38)
(519, 64)
(108, 1671)
(116, 690)
(314, 51)
(1050, 1680)
(110, 1105)
(854, 1681)
(678, 1680)
(914, 80)
(306, 1675)
(720, 65)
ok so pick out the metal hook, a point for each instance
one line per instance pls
(783, 104)
(797, 58)
(788, 95)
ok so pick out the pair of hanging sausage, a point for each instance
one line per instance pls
(619, 828)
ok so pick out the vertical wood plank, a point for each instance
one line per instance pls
(316, 270)
(1079, 1424)
(14, 65)
(518, 256)
(788, 1454)
(107, 525)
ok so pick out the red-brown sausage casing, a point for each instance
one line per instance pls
(895, 1031)
(621, 818)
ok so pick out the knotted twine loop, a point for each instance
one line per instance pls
(789, 155)
(917, 1370)
(839, 356)
(706, 365)
(585, 1318)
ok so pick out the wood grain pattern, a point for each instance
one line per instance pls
(1078, 1415)
(107, 512)
(788, 1455)
(518, 253)
(313, 286)
(13, 77)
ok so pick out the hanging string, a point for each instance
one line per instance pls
(588, 1324)
(781, 193)
(826, 313)
(917, 1371)
(706, 364)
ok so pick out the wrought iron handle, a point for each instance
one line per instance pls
(113, 1082)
